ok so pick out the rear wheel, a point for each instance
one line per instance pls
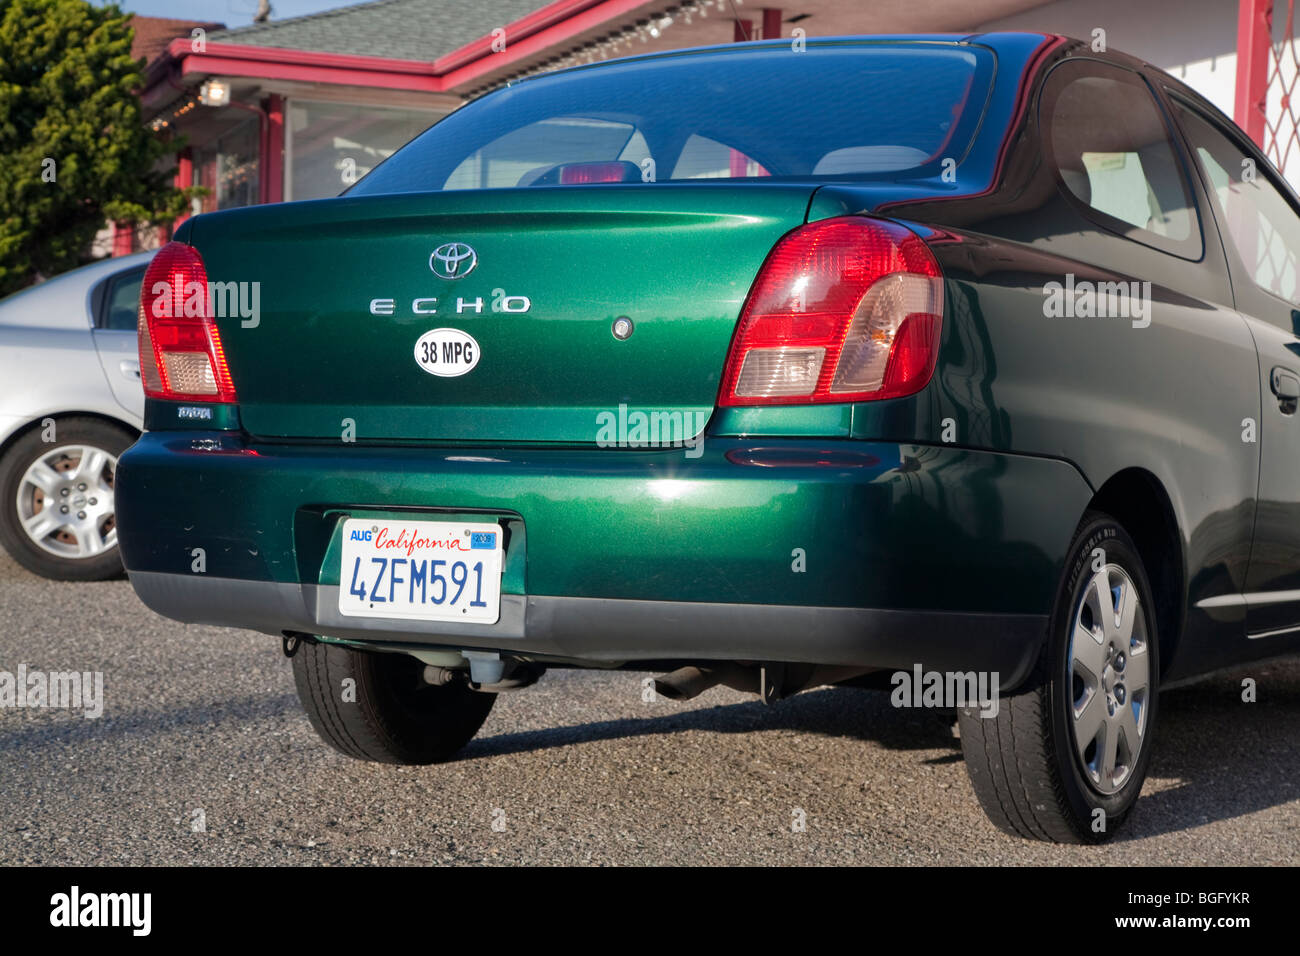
(57, 513)
(1065, 756)
(377, 706)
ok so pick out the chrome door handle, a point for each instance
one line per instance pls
(1286, 386)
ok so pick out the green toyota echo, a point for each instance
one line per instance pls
(961, 367)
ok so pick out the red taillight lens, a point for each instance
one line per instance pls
(844, 310)
(181, 358)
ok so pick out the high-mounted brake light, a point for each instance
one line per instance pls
(575, 174)
(844, 310)
(181, 358)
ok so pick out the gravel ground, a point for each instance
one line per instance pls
(202, 724)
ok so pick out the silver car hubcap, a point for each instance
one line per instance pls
(1110, 678)
(65, 501)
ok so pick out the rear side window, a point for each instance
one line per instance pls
(122, 302)
(1111, 146)
(1261, 223)
(704, 158)
(848, 110)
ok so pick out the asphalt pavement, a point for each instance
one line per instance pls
(203, 756)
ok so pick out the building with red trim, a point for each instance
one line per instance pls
(316, 101)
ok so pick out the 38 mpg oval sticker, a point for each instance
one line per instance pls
(446, 352)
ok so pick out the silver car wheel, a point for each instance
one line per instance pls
(1110, 678)
(65, 501)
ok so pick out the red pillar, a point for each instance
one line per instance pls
(272, 186)
(1254, 39)
(742, 30)
(183, 180)
(123, 239)
(771, 23)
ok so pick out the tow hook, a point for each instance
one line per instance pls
(292, 641)
(771, 683)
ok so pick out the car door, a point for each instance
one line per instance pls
(116, 301)
(1260, 224)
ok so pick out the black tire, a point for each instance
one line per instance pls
(396, 716)
(1023, 762)
(21, 455)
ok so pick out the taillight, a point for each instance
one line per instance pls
(844, 310)
(181, 357)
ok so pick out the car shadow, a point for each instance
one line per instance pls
(831, 711)
(1217, 758)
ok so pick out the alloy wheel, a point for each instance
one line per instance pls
(65, 501)
(1109, 677)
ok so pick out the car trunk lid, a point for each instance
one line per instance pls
(348, 290)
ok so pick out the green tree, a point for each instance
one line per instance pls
(74, 151)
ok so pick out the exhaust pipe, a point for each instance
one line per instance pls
(687, 682)
(771, 681)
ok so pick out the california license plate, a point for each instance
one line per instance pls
(422, 570)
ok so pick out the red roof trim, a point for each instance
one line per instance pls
(524, 27)
(582, 15)
(540, 30)
(275, 63)
(180, 50)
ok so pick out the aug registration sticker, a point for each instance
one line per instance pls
(421, 570)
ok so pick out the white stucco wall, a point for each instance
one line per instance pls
(1195, 40)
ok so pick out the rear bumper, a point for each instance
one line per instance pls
(604, 631)
(836, 552)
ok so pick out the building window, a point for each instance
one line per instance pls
(332, 145)
(228, 167)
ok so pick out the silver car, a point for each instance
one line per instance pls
(70, 403)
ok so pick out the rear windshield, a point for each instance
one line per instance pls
(850, 111)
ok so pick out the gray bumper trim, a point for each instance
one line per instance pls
(607, 631)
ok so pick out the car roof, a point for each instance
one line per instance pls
(64, 301)
(901, 39)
